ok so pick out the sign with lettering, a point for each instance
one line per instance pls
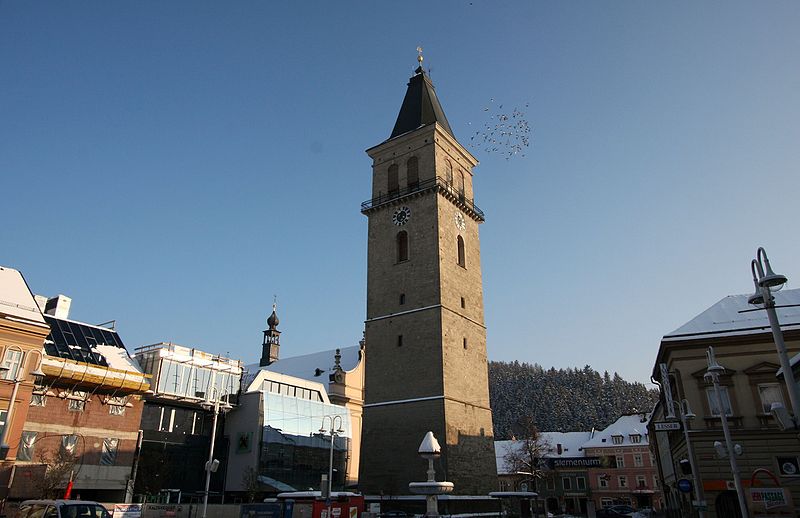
(127, 511)
(666, 426)
(772, 501)
(576, 462)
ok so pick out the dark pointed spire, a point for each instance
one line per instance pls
(272, 339)
(420, 106)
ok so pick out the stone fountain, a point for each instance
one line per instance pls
(430, 450)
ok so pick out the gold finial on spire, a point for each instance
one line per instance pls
(419, 57)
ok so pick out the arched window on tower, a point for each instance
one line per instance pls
(461, 190)
(461, 260)
(402, 246)
(394, 182)
(448, 172)
(412, 167)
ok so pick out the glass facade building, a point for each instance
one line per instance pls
(294, 451)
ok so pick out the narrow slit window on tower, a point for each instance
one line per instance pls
(412, 169)
(465, 343)
(394, 182)
(463, 303)
(461, 260)
(402, 298)
(402, 246)
(399, 340)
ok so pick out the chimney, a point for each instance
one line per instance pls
(58, 306)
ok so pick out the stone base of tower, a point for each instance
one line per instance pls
(391, 436)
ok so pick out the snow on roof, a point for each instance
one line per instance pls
(16, 299)
(625, 426)
(571, 446)
(305, 367)
(733, 316)
(571, 443)
(117, 358)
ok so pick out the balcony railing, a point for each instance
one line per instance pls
(445, 187)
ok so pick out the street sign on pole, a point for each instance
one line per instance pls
(666, 426)
(685, 485)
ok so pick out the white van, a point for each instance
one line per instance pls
(61, 509)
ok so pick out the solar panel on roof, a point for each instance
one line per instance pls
(77, 341)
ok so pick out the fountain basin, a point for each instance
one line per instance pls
(430, 488)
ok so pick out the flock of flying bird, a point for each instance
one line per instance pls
(505, 133)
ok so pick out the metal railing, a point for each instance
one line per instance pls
(443, 185)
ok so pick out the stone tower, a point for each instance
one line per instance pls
(426, 366)
(271, 345)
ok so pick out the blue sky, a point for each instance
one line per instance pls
(172, 165)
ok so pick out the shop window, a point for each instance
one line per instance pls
(108, 455)
(26, 443)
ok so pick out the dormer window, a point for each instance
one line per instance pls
(635, 438)
(617, 439)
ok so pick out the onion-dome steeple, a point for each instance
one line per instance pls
(272, 337)
(420, 106)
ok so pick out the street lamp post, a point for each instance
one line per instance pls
(686, 414)
(210, 463)
(333, 431)
(712, 373)
(763, 295)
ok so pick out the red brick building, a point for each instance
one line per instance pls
(87, 404)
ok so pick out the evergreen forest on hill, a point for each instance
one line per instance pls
(562, 400)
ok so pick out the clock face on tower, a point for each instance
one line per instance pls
(460, 223)
(401, 216)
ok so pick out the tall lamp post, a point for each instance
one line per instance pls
(765, 279)
(712, 373)
(210, 467)
(685, 413)
(333, 431)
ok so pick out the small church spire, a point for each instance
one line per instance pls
(272, 337)
(419, 60)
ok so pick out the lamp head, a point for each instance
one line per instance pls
(770, 279)
(713, 366)
(757, 298)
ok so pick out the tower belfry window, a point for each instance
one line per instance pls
(412, 170)
(402, 246)
(461, 189)
(394, 182)
(448, 172)
(461, 260)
